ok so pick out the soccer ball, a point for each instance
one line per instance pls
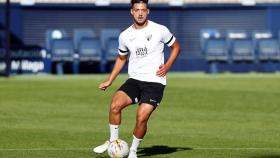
(118, 149)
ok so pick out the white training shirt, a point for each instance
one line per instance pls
(145, 49)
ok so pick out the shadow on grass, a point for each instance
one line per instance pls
(267, 156)
(159, 150)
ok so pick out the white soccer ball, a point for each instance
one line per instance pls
(118, 149)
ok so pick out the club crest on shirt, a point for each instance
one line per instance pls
(149, 37)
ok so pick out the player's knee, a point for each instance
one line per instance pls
(115, 110)
(116, 107)
(141, 120)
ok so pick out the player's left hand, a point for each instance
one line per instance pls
(103, 86)
(162, 71)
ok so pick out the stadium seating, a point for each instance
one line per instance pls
(240, 46)
(54, 34)
(206, 35)
(214, 47)
(62, 51)
(216, 50)
(84, 40)
(184, 22)
(105, 34)
(85, 46)
(109, 42)
(80, 34)
(59, 48)
(266, 46)
(90, 49)
(111, 48)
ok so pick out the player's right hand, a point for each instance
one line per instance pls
(103, 86)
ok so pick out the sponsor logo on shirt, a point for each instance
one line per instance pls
(141, 52)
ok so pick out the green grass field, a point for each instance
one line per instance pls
(201, 116)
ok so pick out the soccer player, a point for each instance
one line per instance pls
(143, 42)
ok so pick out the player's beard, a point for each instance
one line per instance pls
(141, 23)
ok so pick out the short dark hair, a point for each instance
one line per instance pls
(138, 1)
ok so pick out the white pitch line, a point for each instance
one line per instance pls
(87, 149)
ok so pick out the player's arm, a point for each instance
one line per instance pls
(119, 64)
(164, 68)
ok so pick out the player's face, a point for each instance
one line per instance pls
(140, 13)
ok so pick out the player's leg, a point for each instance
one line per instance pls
(151, 96)
(120, 101)
(126, 95)
(143, 114)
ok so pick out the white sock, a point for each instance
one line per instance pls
(135, 143)
(114, 132)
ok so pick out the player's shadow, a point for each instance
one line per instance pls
(159, 150)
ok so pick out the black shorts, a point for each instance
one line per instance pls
(143, 92)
